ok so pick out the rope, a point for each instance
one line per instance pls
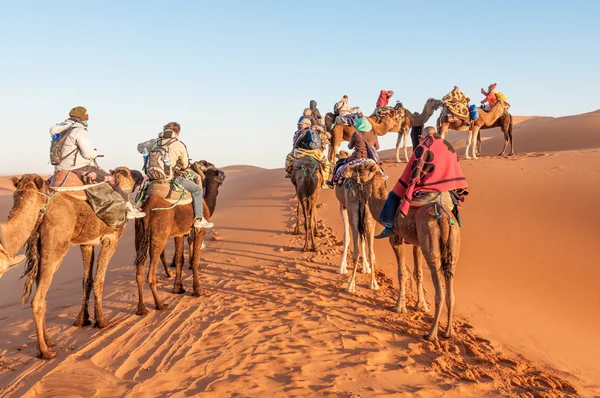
(437, 213)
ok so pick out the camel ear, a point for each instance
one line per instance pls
(39, 182)
(15, 181)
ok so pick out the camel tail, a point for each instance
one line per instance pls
(361, 218)
(144, 246)
(33, 260)
(445, 238)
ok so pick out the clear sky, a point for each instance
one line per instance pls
(237, 74)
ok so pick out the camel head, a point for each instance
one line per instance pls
(128, 179)
(361, 173)
(434, 103)
(215, 174)
(30, 182)
(504, 104)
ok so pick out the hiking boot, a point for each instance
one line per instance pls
(202, 223)
(134, 212)
(386, 233)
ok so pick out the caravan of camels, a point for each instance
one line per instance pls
(175, 198)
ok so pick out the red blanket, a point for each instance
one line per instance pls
(433, 167)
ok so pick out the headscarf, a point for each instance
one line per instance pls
(363, 125)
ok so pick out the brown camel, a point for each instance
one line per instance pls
(344, 132)
(307, 180)
(437, 240)
(485, 120)
(409, 120)
(54, 221)
(163, 221)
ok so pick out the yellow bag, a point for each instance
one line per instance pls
(500, 96)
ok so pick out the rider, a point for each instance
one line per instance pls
(316, 115)
(490, 97)
(433, 167)
(458, 104)
(78, 154)
(341, 108)
(180, 162)
(383, 100)
(300, 149)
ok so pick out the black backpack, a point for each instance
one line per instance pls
(57, 145)
(310, 139)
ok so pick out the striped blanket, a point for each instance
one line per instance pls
(338, 178)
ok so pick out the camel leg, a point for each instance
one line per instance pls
(430, 245)
(313, 222)
(87, 252)
(371, 247)
(450, 299)
(398, 248)
(109, 246)
(356, 238)
(157, 245)
(198, 238)
(344, 265)
(474, 141)
(418, 275)
(298, 217)
(366, 268)
(163, 260)
(405, 144)
(49, 263)
(468, 146)
(178, 286)
(305, 211)
(190, 240)
(400, 132)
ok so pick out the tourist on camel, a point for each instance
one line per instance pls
(490, 97)
(433, 169)
(382, 101)
(76, 155)
(178, 162)
(308, 142)
(307, 114)
(457, 104)
(344, 113)
(364, 143)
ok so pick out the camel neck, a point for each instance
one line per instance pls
(376, 195)
(210, 198)
(21, 220)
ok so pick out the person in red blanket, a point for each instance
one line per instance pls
(433, 167)
(383, 100)
(490, 97)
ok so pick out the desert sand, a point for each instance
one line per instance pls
(276, 321)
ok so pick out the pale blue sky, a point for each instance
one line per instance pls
(237, 74)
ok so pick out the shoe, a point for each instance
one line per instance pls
(203, 223)
(386, 233)
(330, 184)
(134, 212)
(288, 175)
(466, 124)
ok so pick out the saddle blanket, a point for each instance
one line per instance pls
(338, 178)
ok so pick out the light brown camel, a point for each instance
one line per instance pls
(307, 180)
(54, 221)
(437, 240)
(344, 132)
(409, 120)
(153, 231)
(485, 120)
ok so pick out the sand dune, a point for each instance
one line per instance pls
(276, 321)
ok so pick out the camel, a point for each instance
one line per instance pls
(409, 120)
(54, 221)
(344, 132)
(485, 120)
(307, 180)
(437, 240)
(163, 221)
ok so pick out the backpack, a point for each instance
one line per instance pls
(336, 111)
(158, 163)
(309, 140)
(57, 145)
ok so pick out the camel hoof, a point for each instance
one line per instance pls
(81, 323)
(142, 311)
(423, 308)
(49, 342)
(430, 337)
(342, 271)
(448, 334)
(178, 290)
(366, 270)
(374, 285)
(49, 354)
(162, 306)
(351, 289)
(399, 309)
(197, 293)
(104, 324)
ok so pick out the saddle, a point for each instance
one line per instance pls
(165, 190)
(70, 184)
(422, 198)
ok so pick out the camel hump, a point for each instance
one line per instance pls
(164, 190)
(305, 161)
